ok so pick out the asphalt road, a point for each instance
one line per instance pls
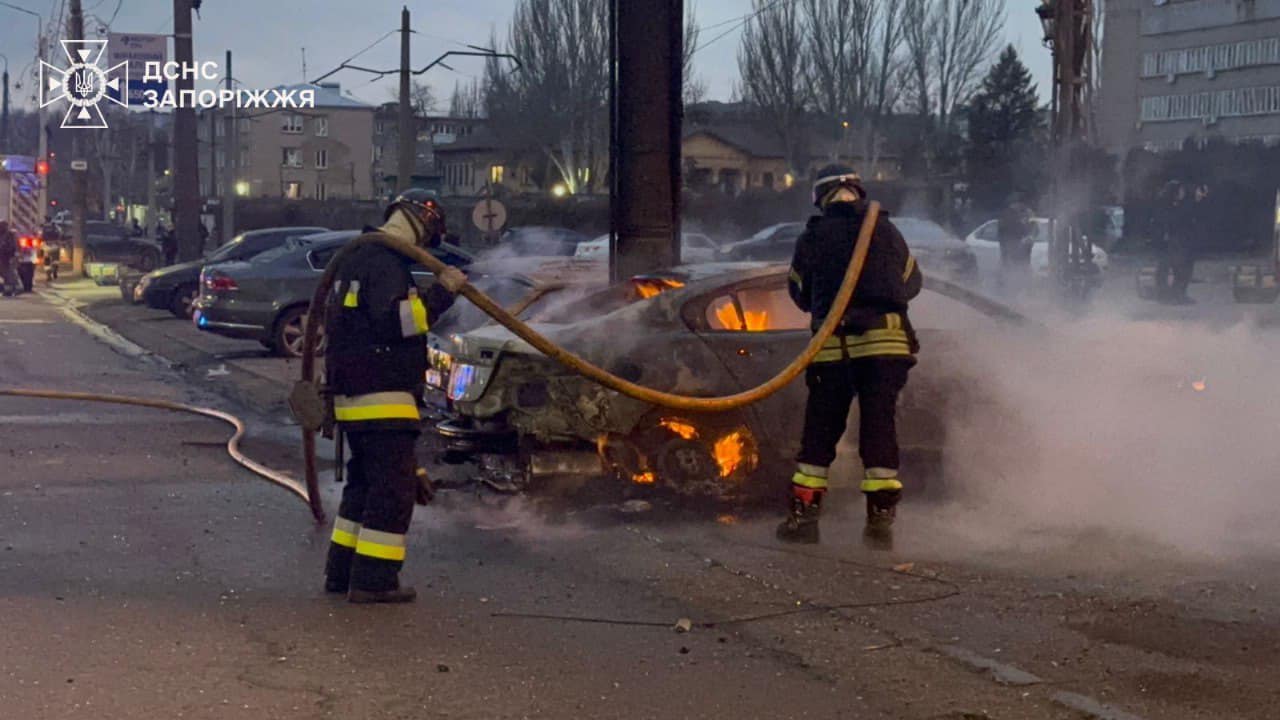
(143, 574)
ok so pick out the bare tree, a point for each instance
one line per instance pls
(886, 74)
(555, 107)
(774, 63)
(919, 36)
(840, 33)
(967, 35)
(467, 100)
(695, 88)
(421, 96)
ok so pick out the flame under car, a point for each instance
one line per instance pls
(703, 330)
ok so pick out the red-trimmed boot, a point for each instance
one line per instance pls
(808, 486)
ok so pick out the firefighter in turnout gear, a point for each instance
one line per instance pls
(375, 364)
(868, 356)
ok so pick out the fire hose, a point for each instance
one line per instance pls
(233, 444)
(566, 358)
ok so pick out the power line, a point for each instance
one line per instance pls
(741, 22)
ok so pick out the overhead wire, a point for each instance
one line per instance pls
(741, 23)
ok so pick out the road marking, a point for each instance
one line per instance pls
(27, 321)
(1091, 707)
(1003, 674)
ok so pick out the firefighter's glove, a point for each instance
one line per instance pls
(426, 492)
(308, 406)
(452, 279)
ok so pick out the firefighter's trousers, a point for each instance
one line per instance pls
(876, 382)
(368, 544)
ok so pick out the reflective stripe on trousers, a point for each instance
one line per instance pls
(380, 545)
(876, 479)
(375, 406)
(889, 341)
(345, 532)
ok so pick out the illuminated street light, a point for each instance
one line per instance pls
(559, 190)
(242, 188)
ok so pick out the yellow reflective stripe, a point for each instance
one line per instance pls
(380, 545)
(911, 266)
(345, 532)
(880, 349)
(794, 277)
(893, 321)
(413, 316)
(814, 470)
(375, 406)
(829, 356)
(878, 484)
(813, 482)
(353, 295)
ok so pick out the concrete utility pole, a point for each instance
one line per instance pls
(408, 148)
(647, 114)
(1068, 26)
(150, 224)
(4, 114)
(186, 179)
(79, 178)
(233, 162)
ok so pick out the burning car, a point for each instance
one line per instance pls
(703, 330)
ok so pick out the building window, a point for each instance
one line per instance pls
(221, 159)
(379, 127)
(292, 124)
(496, 174)
(291, 157)
(293, 190)
(767, 180)
(1209, 106)
(322, 191)
(322, 127)
(377, 153)
(244, 157)
(219, 127)
(1212, 58)
(322, 159)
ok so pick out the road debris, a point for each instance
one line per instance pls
(683, 625)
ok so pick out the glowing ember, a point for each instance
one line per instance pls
(648, 477)
(727, 520)
(653, 287)
(1199, 385)
(681, 428)
(729, 452)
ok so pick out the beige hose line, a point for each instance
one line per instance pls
(233, 445)
(315, 315)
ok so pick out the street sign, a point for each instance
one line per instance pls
(80, 165)
(489, 215)
(138, 50)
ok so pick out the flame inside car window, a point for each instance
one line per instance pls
(756, 310)
(653, 287)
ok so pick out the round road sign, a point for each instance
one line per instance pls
(489, 215)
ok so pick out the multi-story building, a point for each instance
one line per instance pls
(1189, 70)
(322, 152)
(432, 132)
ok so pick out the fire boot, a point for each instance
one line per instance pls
(881, 511)
(801, 525)
(397, 595)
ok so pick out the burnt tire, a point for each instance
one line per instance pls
(182, 302)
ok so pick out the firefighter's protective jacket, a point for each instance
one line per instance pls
(375, 335)
(876, 323)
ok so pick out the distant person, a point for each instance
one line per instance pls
(1178, 230)
(204, 235)
(1014, 233)
(8, 255)
(136, 229)
(168, 244)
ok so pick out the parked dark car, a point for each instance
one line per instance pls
(266, 297)
(775, 243)
(107, 242)
(541, 241)
(176, 287)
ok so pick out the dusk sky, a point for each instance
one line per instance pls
(267, 37)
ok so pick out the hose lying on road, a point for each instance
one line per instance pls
(233, 445)
(315, 315)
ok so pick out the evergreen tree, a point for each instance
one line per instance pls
(1007, 145)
